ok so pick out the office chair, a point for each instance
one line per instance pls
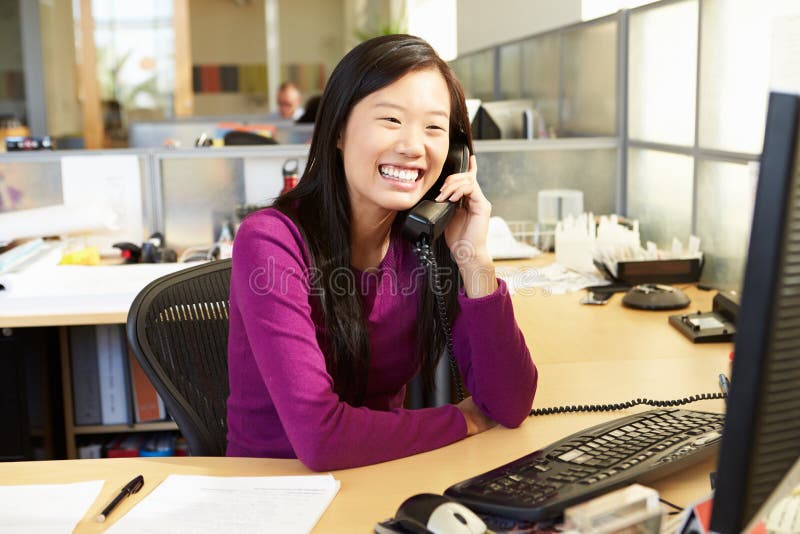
(178, 330)
(241, 137)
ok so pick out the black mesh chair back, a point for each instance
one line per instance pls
(178, 330)
(241, 137)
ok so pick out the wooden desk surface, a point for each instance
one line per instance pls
(585, 354)
(372, 493)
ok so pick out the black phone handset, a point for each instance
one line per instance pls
(424, 224)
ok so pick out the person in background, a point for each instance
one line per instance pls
(330, 315)
(289, 101)
(310, 113)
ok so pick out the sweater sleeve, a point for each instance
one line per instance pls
(270, 285)
(493, 357)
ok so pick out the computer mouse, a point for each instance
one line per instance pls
(440, 515)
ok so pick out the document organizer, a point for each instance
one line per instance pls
(655, 271)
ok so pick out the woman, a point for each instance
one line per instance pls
(330, 318)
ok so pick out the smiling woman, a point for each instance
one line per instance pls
(319, 363)
(395, 143)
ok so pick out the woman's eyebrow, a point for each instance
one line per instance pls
(398, 107)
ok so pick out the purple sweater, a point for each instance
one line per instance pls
(282, 403)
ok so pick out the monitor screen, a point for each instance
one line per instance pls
(504, 119)
(761, 440)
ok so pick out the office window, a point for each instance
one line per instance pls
(510, 83)
(744, 49)
(135, 62)
(590, 80)
(660, 195)
(725, 199)
(540, 75)
(662, 71)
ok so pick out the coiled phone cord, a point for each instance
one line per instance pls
(628, 404)
(428, 260)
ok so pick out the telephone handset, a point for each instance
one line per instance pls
(428, 219)
(424, 223)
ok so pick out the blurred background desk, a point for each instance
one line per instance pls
(585, 354)
(64, 296)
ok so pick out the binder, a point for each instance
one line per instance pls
(112, 366)
(85, 378)
(147, 405)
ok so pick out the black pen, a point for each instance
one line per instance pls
(130, 488)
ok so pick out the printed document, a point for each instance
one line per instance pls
(40, 508)
(185, 503)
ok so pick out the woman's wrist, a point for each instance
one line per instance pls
(479, 276)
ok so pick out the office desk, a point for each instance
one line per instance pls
(584, 354)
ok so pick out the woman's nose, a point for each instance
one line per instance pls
(410, 144)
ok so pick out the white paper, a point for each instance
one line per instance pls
(502, 245)
(199, 504)
(113, 181)
(82, 281)
(46, 508)
(552, 279)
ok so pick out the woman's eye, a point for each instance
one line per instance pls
(435, 127)
(391, 119)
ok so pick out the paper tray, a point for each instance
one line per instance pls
(655, 271)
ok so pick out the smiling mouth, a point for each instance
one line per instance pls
(400, 174)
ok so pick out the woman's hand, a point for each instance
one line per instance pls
(476, 421)
(466, 233)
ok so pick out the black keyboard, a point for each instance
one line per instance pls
(635, 448)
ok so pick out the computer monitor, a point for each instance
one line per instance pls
(504, 119)
(761, 440)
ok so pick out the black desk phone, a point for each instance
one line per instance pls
(428, 219)
(424, 223)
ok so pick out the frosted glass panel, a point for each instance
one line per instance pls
(660, 195)
(662, 67)
(540, 75)
(482, 75)
(463, 69)
(725, 199)
(590, 71)
(736, 72)
(29, 184)
(512, 180)
(199, 194)
(510, 84)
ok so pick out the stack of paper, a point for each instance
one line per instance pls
(201, 504)
(45, 507)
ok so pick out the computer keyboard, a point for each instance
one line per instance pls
(635, 448)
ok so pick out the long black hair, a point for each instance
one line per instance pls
(320, 206)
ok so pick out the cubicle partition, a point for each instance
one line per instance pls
(688, 116)
(188, 194)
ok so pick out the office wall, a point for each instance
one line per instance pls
(312, 32)
(481, 24)
(224, 32)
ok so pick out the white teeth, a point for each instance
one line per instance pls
(401, 175)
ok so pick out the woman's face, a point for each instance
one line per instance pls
(395, 142)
